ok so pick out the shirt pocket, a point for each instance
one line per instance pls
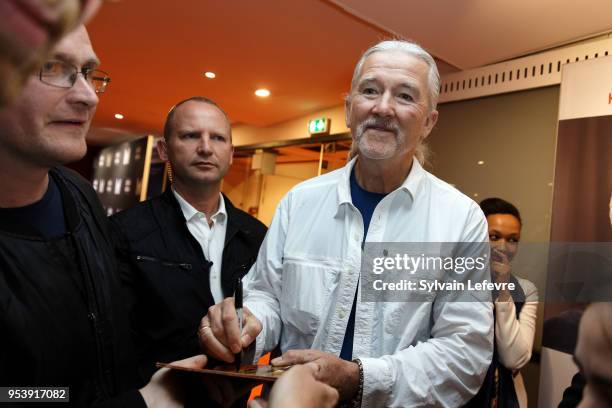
(306, 293)
(400, 317)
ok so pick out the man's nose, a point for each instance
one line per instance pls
(82, 92)
(384, 105)
(204, 145)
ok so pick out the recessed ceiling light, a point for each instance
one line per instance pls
(118, 116)
(262, 93)
(475, 194)
(480, 162)
(210, 75)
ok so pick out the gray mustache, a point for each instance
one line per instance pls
(378, 123)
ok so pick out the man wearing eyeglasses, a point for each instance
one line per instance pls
(28, 31)
(62, 321)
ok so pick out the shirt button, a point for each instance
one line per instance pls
(341, 314)
(356, 237)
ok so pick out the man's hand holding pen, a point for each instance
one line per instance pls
(238, 305)
(220, 334)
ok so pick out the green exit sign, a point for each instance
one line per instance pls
(319, 126)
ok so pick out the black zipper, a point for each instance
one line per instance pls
(186, 266)
(104, 385)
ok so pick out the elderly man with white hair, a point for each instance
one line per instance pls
(304, 291)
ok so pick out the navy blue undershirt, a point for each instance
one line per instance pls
(366, 202)
(44, 218)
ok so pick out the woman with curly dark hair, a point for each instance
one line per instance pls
(515, 312)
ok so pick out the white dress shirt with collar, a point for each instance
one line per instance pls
(302, 287)
(211, 238)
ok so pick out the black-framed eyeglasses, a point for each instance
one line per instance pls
(63, 75)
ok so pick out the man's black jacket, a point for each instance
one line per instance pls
(62, 318)
(167, 276)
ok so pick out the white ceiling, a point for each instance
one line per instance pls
(472, 33)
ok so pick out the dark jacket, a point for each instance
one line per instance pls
(167, 276)
(62, 319)
(573, 394)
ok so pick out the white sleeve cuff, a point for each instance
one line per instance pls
(377, 382)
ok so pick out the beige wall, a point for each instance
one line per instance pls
(248, 188)
(514, 134)
(242, 185)
(292, 129)
(275, 186)
(301, 171)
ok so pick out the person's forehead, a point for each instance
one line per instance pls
(508, 220)
(76, 48)
(394, 62)
(197, 112)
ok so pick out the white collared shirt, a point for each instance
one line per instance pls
(210, 238)
(303, 284)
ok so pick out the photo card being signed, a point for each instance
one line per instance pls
(263, 373)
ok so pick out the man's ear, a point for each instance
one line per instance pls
(232, 156)
(162, 149)
(430, 122)
(347, 110)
